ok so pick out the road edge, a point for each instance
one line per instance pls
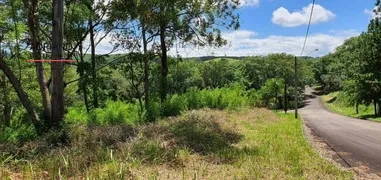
(327, 152)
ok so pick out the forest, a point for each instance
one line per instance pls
(354, 70)
(116, 115)
(136, 87)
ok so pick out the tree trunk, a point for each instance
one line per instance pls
(93, 65)
(357, 107)
(146, 69)
(57, 68)
(82, 82)
(164, 65)
(15, 22)
(33, 26)
(379, 108)
(7, 115)
(32, 114)
(285, 98)
(375, 107)
(276, 101)
(7, 107)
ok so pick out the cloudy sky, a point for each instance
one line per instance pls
(276, 26)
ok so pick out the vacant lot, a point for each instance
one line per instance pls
(202, 144)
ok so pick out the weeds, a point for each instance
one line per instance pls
(201, 144)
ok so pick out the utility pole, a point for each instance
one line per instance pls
(296, 89)
(57, 68)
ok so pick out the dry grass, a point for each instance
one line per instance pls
(201, 144)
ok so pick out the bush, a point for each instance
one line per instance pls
(210, 98)
(153, 111)
(114, 112)
(228, 97)
(174, 105)
(193, 98)
(18, 135)
(77, 115)
(234, 97)
(254, 98)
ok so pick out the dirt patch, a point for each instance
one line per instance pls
(327, 152)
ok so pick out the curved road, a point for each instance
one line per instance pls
(357, 141)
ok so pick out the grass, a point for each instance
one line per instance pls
(199, 144)
(335, 104)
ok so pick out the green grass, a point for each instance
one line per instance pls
(335, 104)
(199, 144)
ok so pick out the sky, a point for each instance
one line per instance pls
(279, 26)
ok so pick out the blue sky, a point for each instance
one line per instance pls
(348, 16)
(279, 26)
(276, 26)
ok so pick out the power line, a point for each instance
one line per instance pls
(308, 27)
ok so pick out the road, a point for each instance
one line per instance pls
(357, 141)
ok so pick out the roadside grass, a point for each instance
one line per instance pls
(336, 105)
(199, 144)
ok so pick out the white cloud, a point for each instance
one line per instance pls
(371, 13)
(247, 43)
(250, 3)
(244, 43)
(283, 17)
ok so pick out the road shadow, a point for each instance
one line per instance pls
(306, 100)
(332, 100)
(368, 116)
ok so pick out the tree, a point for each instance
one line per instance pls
(57, 68)
(195, 22)
(20, 92)
(6, 29)
(373, 64)
(36, 45)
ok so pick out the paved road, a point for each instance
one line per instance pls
(357, 141)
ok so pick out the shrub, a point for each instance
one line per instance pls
(228, 97)
(234, 97)
(174, 105)
(210, 98)
(153, 111)
(77, 115)
(254, 98)
(193, 98)
(17, 135)
(114, 112)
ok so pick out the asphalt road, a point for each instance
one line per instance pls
(357, 141)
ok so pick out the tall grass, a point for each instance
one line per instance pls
(233, 97)
(114, 112)
(200, 144)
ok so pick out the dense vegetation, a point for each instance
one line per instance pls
(221, 83)
(110, 115)
(355, 69)
(200, 144)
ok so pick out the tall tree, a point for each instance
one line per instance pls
(36, 45)
(57, 68)
(194, 22)
(19, 90)
(373, 64)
